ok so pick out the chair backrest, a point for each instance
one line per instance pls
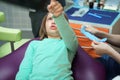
(84, 67)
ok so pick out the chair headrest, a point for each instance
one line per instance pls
(2, 17)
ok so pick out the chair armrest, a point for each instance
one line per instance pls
(8, 34)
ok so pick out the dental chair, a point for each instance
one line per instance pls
(84, 67)
(11, 38)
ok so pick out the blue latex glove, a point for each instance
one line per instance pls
(91, 36)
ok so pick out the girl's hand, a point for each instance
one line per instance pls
(55, 8)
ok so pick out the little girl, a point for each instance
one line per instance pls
(50, 58)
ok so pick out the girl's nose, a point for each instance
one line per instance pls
(53, 22)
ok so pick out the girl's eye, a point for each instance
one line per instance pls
(50, 18)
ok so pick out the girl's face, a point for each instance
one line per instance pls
(51, 27)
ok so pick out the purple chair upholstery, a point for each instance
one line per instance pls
(84, 67)
(9, 64)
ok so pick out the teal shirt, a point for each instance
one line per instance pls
(50, 59)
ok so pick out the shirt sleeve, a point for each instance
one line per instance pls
(26, 64)
(66, 33)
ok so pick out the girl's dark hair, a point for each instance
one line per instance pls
(42, 31)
